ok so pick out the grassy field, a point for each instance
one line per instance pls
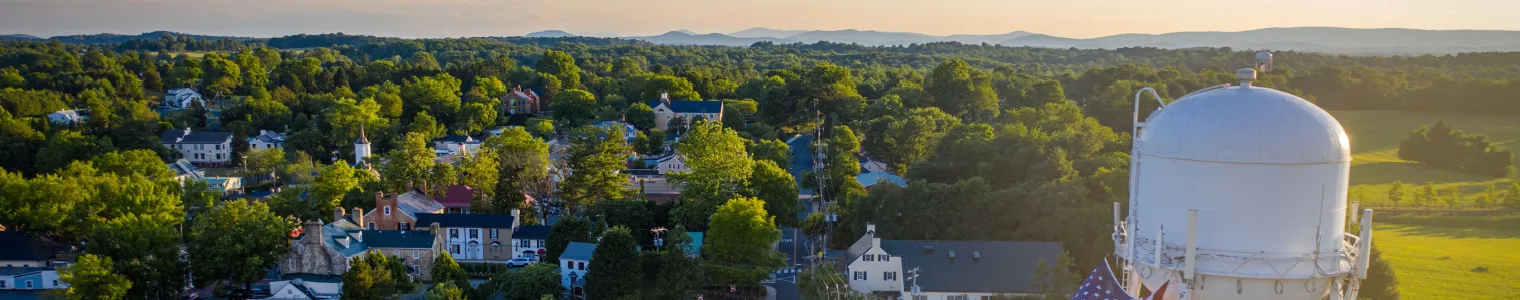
(192, 54)
(1439, 260)
(1375, 137)
(1436, 258)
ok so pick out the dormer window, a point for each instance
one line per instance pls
(387, 210)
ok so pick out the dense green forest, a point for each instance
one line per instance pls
(998, 142)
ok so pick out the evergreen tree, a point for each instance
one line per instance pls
(568, 229)
(615, 271)
(1382, 282)
(445, 270)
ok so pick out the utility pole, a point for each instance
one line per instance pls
(913, 277)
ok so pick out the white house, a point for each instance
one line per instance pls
(946, 270)
(213, 148)
(306, 286)
(65, 117)
(267, 139)
(475, 237)
(572, 266)
(182, 98)
(453, 144)
(27, 263)
(528, 241)
(226, 185)
(665, 110)
(671, 163)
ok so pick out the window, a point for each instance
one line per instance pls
(387, 210)
(569, 265)
(868, 257)
(493, 233)
(889, 276)
(414, 253)
(540, 243)
(957, 297)
(453, 233)
(524, 243)
(986, 297)
(2, 284)
(883, 257)
(28, 284)
(920, 297)
(371, 225)
(582, 266)
(860, 275)
(406, 226)
(474, 233)
(454, 249)
(55, 282)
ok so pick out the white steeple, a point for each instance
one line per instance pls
(361, 147)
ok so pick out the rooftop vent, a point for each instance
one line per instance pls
(928, 249)
(952, 254)
(976, 255)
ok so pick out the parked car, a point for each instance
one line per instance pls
(519, 262)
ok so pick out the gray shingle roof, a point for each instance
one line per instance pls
(578, 251)
(466, 220)
(1004, 267)
(691, 107)
(397, 238)
(20, 246)
(531, 232)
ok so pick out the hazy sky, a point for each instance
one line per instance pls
(456, 18)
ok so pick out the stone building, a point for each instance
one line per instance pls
(328, 249)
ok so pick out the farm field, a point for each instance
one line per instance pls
(1442, 261)
(1375, 165)
(1436, 258)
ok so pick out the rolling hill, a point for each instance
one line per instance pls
(550, 34)
(762, 32)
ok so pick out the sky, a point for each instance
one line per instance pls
(460, 18)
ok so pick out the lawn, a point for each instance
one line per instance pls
(192, 54)
(1435, 259)
(1375, 137)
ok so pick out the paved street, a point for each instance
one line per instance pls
(795, 251)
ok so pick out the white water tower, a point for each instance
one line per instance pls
(1243, 191)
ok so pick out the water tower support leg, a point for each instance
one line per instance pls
(1189, 264)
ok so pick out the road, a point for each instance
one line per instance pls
(796, 253)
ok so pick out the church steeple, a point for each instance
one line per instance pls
(361, 147)
(362, 140)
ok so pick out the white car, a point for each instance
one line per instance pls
(519, 262)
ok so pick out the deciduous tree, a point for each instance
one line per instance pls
(240, 259)
(91, 278)
(739, 243)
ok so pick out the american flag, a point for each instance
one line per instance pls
(1102, 285)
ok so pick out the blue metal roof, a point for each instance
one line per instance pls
(869, 179)
(578, 251)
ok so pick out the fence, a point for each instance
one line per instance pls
(1467, 210)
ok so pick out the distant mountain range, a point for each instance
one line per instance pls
(1309, 39)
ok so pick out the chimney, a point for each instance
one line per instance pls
(424, 188)
(464, 149)
(358, 216)
(435, 229)
(311, 229)
(871, 232)
(516, 218)
(408, 185)
(337, 213)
